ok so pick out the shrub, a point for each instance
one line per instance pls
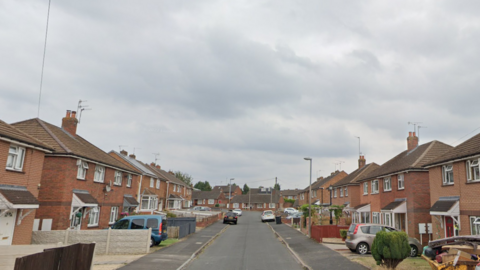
(171, 215)
(343, 233)
(217, 205)
(289, 200)
(390, 248)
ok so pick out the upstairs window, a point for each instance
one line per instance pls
(365, 188)
(118, 178)
(341, 192)
(335, 192)
(16, 156)
(447, 174)
(152, 182)
(387, 184)
(346, 191)
(401, 182)
(158, 184)
(129, 180)
(99, 174)
(473, 170)
(82, 169)
(374, 186)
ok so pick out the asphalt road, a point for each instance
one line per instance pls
(248, 245)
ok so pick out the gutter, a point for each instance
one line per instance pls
(452, 161)
(46, 150)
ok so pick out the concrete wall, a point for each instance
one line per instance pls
(107, 241)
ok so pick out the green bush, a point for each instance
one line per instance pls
(343, 233)
(171, 215)
(217, 205)
(289, 200)
(390, 248)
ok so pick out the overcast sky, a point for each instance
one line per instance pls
(246, 89)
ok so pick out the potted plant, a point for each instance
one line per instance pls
(343, 234)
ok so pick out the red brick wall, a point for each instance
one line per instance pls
(372, 199)
(353, 197)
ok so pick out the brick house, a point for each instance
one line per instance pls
(179, 194)
(290, 194)
(398, 192)
(348, 190)
(82, 187)
(23, 157)
(208, 198)
(259, 199)
(454, 185)
(236, 190)
(151, 190)
(320, 195)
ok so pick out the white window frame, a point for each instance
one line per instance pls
(118, 178)
(447, 174)
(211, 201)
(375, 186)
(335, 192)
(341, 192)
(99, 174)
(387, 184)
(387, 217)
(152, 182)
(346, 191)
(113, 214)
(472, 166)
(271, 205)
(149, 203)
(401, 179)
(364, 216)
(365, 188)
(376, 217)
(93, 217)
(16, 158)
(82, 169)
(259, 205)
(158, 184)
(129, 180)
(472, 226)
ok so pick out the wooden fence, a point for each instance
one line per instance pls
(74, 257)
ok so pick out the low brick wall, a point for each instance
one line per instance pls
(107, 241)
(207, 221)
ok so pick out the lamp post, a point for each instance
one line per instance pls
(230, 192)
(309, 198)
(331, 218)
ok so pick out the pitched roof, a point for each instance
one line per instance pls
(17, 195)
(167, 176)
(470, 147)
(290, 192)
(257, 198)
(10, 132)
(64, 143)
(357, 174)
(414, 159)
(136, 164)
(200, 195)
(317, 184)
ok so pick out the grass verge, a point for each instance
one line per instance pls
(407, 264)
(163, 244)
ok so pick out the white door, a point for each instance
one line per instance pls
(160, 205)
(7, 225)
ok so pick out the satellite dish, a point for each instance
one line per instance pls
(108, 188)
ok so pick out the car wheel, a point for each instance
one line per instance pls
(413, 251)
(158, 243)
(235, 223)
(152, 242)
(362, 248)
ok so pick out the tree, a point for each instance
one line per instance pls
(246, 189)
(337, 212)
(185, 177)
(277, 186)
(203, 186)
(390, 248)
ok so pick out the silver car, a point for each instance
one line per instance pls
(360, 238)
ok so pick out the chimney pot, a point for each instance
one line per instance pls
(68, 113)
(74, 113)
(123, 152)
(152, 164)
(361, 162)
(158, 167)
(133, 156)
(69, 123)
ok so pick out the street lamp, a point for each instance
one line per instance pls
(309, 198)
(331, 218)
(230, 192)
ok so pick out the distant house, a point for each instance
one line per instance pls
(320, 193)
(23, 158)
(291, 194)
(235, 190)
(209, 198)
(82, 187)
(259, 199)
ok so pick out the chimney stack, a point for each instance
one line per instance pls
(69, 123)
(123, 152)
(133, 156)
(412, 141)
(158, 167)
(361, 162)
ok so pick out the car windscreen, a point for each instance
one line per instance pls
(268, 213)
(231, 214)
(352, 228)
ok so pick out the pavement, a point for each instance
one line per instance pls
(174, 256)
(313, 254)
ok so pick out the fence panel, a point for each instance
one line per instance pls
(186, 225)
(183, 230)
(39, 261)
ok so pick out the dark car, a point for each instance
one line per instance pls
(230, 217)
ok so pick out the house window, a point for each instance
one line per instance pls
(174, 187)
(118, 178)
(99, 174)
(387, 219)
(346, 191)
(158, 184)
(365, 217)
(113, 214)
(335, 192)
(16, 155)
(374, 186)
(387, 184)
(211, 201)
(365, 188)
(129, 180)
(82, 169)
(376, 217)
(447, 173)
(259, 205)
(94, 216)
(149, 202)
(401, 182)
(152, 182)
(474, 228)
(473, 170)
(271, 205)
(341, 192)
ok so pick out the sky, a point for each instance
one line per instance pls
(246, 89)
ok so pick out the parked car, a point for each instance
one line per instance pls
(144, 222)
(268, 215)
(201, 208)
(360, 238)
(295, 215)
(290, 210)
(238, 211)
(230, 217)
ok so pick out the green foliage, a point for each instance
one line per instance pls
(289, 200)
(277, 186)
(246, 189)
(390, 248)
(217, 205)
(337, 212)
(203, 186)
(343, 233)
(304, 209)
(171, 215)
(185, 177)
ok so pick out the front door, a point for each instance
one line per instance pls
(160, 205)
(449, 230)
(400, 222)
(7, 226)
